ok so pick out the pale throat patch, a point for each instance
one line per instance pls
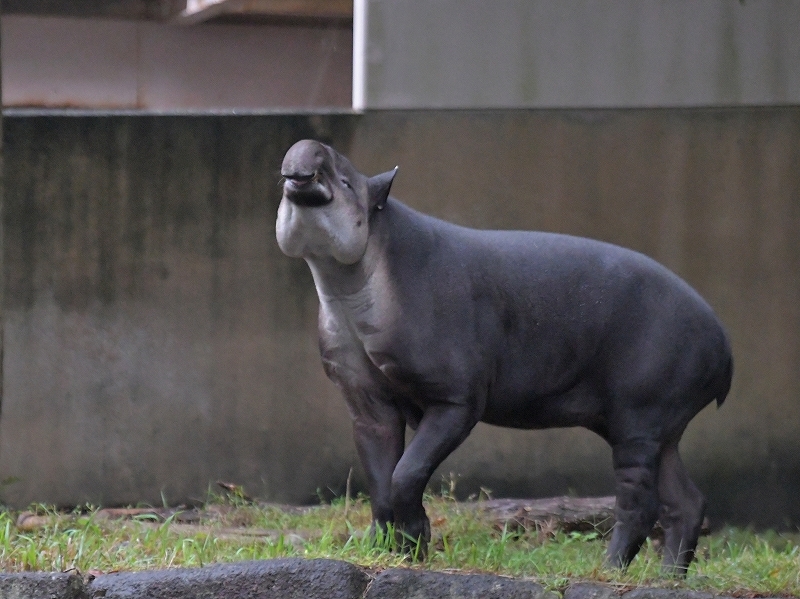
(321, 232)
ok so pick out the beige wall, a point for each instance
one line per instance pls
(158, 340)
(57, 62)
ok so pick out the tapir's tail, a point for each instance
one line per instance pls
(725, 382)
(722, 381)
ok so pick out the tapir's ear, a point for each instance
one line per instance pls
(378, 188)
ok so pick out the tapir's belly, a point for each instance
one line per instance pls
(525, 387)
(529, 379)
(551, 392)
(576, 406)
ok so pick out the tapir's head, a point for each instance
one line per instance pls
(327, 204)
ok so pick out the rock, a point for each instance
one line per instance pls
(586, 590)
(41, 585)
(666, 594)
(400, 583)
(271, 579)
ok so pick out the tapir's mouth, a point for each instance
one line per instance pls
(306, 189)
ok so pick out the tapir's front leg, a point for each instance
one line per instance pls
(443, 427)
(380, 439)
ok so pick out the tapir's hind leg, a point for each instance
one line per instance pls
(682, 510)
(636, 510)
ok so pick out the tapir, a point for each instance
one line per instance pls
(426, 324)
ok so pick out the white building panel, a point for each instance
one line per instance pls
(579, 53)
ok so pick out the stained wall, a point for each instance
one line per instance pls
(157, 340)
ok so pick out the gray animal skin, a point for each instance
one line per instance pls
(436, 326)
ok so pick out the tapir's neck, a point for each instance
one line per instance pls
(361, 292)
(369, 281)
(337, 281)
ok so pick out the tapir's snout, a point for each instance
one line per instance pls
(302, 170)
(306, 190)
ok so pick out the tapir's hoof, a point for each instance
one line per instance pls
(674, 570)
(413, 541)
(414, 550)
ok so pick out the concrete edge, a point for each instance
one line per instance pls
(308, 579)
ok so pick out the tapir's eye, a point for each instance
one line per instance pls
(346, 183)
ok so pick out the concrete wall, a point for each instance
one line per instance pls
(156, 338)
(575, 53)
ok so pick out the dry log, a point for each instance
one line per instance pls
(179, 514)
(566, 514)
(28, 521)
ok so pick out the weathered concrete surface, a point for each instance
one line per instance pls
(158, 339)
(271, 579)
(412, 584)
(41, 585)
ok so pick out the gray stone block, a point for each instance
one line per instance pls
(587, 590)
(665, 594)
(415, 584)
(271, 579)
(41, 585)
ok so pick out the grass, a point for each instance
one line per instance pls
(732, 561)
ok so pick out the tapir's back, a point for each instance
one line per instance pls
(565, 278)
(572, 320)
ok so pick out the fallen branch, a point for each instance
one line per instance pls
(565, 514)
